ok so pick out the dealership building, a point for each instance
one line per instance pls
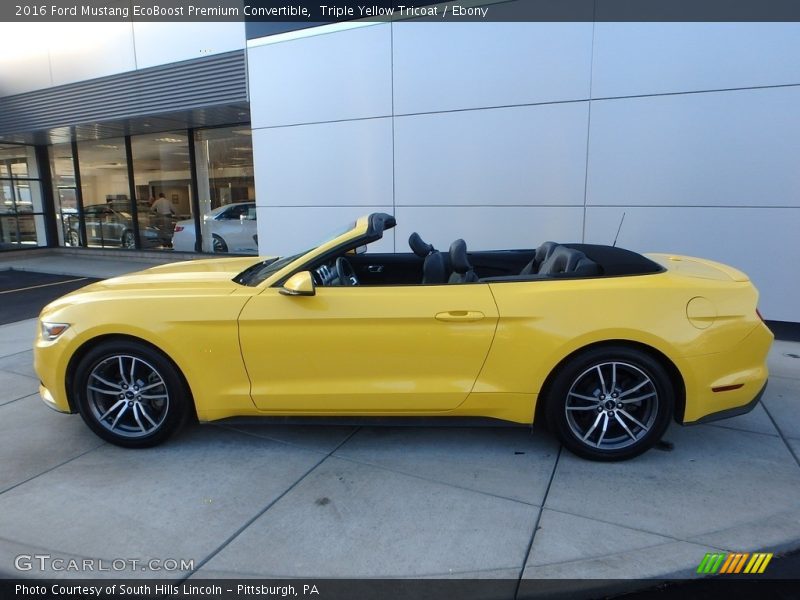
(505, 134)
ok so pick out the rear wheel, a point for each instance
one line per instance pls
(219, 244)
(610, 403)
(130, 394)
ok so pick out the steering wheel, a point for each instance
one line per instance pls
(345, 272)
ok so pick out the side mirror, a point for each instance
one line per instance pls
(299, 284)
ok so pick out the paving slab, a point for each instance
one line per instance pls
(181, 500)
(671, 560)
(783, 359)
(485, 459)
(782, 401)
(36, 439)
(16, 386)
(319, 438)
(714, 479)
(17, 337)
(348, 519)
(20, 363)
(565, 538)
(776, 533)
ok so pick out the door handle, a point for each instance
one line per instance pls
(375, 268)
(460, 315)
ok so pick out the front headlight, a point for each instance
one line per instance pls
(51, 331)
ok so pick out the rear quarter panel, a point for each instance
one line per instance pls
(542, 322)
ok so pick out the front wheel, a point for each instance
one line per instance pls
(130, 394)
(610, 403)
(128, 240)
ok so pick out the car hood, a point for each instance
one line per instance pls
(192, 273)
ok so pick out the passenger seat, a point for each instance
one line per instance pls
(462, 269)
(435, 268)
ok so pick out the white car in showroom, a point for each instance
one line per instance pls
(232, 228)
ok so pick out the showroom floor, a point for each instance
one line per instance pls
(336, 501)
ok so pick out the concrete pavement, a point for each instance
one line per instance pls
(333, 501)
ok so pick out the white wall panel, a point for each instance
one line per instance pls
(24, 61)
(342, 75)
(758, 241)
(159, 43)
(327, 164)
(473, 65)
(89, 50)
(526, 155)
(656, 58)
(287, 230)
(487, 227)
(721, 149)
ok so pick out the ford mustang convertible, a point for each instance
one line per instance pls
(605, 345)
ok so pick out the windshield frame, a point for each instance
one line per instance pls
(366, 229)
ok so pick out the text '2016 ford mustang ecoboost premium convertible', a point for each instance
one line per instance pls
(605, 344)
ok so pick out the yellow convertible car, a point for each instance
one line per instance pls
(604, 344)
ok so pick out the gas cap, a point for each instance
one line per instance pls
(701, 312)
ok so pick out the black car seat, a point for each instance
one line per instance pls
(462, 270)
(436, 267)
(543, 252)
(569, 261)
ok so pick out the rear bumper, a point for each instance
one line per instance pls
(731, 412)
(729, 383)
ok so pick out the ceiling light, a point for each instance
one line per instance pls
(109, 146)
(170, 140)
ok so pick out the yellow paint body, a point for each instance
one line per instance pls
(478, 349)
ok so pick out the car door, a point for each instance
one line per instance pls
(367, 349)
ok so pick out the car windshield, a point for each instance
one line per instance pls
(253, 276)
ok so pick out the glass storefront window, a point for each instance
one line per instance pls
(21, 218)
(107, 207)
(226, 189)
(65, 195)
(163, 185)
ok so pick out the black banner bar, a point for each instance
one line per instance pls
(305, 13)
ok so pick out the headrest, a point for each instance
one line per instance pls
(544, 251)
(419, 247)
(458, 257)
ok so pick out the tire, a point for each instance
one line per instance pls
(610, 403)
(74, 238)
(218, 244)
(107, 390)
(128, 240)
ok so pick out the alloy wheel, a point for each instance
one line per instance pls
(611, 405)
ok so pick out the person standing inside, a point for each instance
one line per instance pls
(162, 206)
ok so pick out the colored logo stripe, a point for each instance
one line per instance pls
(715, 562)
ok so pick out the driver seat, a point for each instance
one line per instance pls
(435, 268)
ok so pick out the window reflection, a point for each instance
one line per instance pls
(226, 189)
(107, 209)
(163, 185)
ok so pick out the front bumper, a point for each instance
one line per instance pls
(50, 402)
